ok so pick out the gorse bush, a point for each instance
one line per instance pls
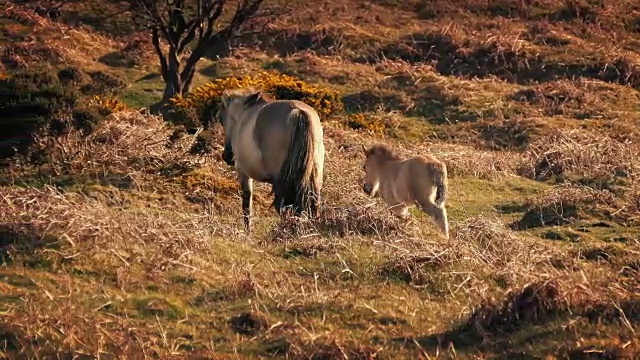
(200, 105)
(107, 104)
(368, 122)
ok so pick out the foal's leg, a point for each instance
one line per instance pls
(246, 185)
(441, 219)
(438, 213)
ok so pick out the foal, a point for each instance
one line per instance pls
(419, 180)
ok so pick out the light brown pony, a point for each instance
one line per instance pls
(419, 180)
(274, 141)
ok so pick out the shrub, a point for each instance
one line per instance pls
(86, 119)
(107, 104)
(103, 82)
(362, 121)
(45, 103)
(72, 76)
(95, 83)
(30, 101)
(201, 104)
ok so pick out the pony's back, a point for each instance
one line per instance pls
(299, 181)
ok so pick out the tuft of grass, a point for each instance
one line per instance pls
(153, 306)
(533, 303)
(564, 204)
(341, 222)
(581, 154)
(563, 97)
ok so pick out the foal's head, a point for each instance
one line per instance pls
(375, 157)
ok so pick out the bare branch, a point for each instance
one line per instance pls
(155, 39)
(183, 24)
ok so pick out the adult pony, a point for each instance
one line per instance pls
(402, 183)
(274, 141)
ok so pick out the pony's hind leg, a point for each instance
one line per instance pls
(441, 219)
(438, 213)
(246, 185)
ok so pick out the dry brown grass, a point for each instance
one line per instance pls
(467, 161)
(481, 253)
(580, 154)
(341, 222)
(566, 203)
(123, 142)
(333, 349)
(509, 134)
(154, 263)
(78, 223)
(564, 97)
(604, 348)
(543, 300)
(528, 305)
(49, 231)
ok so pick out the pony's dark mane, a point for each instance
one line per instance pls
(383, 152)
(257, 97)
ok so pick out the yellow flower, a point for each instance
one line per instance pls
(361, 121)
(110, 103)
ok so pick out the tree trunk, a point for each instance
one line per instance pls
(173, 80)
(177, 82)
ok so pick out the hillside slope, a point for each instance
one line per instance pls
(138, 250)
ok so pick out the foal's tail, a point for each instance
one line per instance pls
(297, 185)
(439, 177)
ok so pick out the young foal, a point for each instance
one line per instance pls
(419, 180)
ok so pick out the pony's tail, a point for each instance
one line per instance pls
(296, 185)
(440, 180)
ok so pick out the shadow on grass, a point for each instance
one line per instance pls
(535, 304)
(535, 313)
(23, 241)
(70, 182)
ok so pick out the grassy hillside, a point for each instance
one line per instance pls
(131, 247)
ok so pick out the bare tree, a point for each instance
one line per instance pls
(189, 28)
